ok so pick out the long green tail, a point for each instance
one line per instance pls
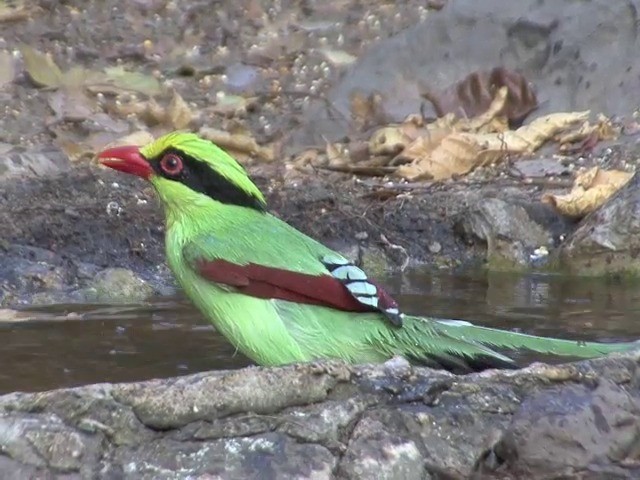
(459, 345)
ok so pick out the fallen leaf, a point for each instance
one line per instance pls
(241, 146)
(41, 68)
(117, 80)
(179, 114)
(307, 159)
(388, 141)
(455, 154)
(392, 139)
(337, 154)
(590, 191)
(367, 111)
(7, 68)
(486, 119)
(473, 95)
(585, 138)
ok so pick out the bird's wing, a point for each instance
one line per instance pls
(297, 270)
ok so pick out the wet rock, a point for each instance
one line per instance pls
(40, 275)
(562, 47)
(511, 235)
(117, 285)
(47, 444)
(608, 240)
(588, 424)
(331, 420)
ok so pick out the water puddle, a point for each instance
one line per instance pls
(68, 345)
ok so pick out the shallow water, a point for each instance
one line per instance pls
(67, 345)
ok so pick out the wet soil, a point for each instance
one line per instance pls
(89, 218)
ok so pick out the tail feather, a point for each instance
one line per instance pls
(477, 348)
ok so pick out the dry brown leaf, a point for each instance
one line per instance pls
(473, 95)
(176, 115)
(337, 154)
(596, 176)
(367, 110)
(487, 118)
(454, 155)
(179, 113)
(587, 135)
(41, 68)
(590, 191)
(529, 138)
(7, 68)
(307, 159)
(388, 141)
(421, 147)
(393, 139)
(241, 146)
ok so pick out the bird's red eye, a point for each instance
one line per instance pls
(171, 164)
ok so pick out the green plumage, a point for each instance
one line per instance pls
(275, 332)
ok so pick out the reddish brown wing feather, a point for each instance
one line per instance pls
(266, 282)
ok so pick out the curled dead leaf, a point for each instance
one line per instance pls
(308, 159)
(590, 191)
(337, 154)
(241, 146)
(585, 138)
(393, 139)
(388, 141)
(454, 154)
(367, 111)
(474, 94)
(179, 113)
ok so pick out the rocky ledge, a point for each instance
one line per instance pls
(331, 420)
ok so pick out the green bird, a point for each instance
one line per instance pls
(278, 295)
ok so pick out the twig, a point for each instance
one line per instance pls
(400, 248)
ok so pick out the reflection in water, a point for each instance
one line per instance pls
(77, 344)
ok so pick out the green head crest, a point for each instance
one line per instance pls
(204, 167)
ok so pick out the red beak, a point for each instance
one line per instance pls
(126, 159)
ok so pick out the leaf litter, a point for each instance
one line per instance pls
(477, 125)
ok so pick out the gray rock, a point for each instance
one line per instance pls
(14, 164)
(508, 230)
(589, 424)
(608, 240)
(562, 47)
(331, 420)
